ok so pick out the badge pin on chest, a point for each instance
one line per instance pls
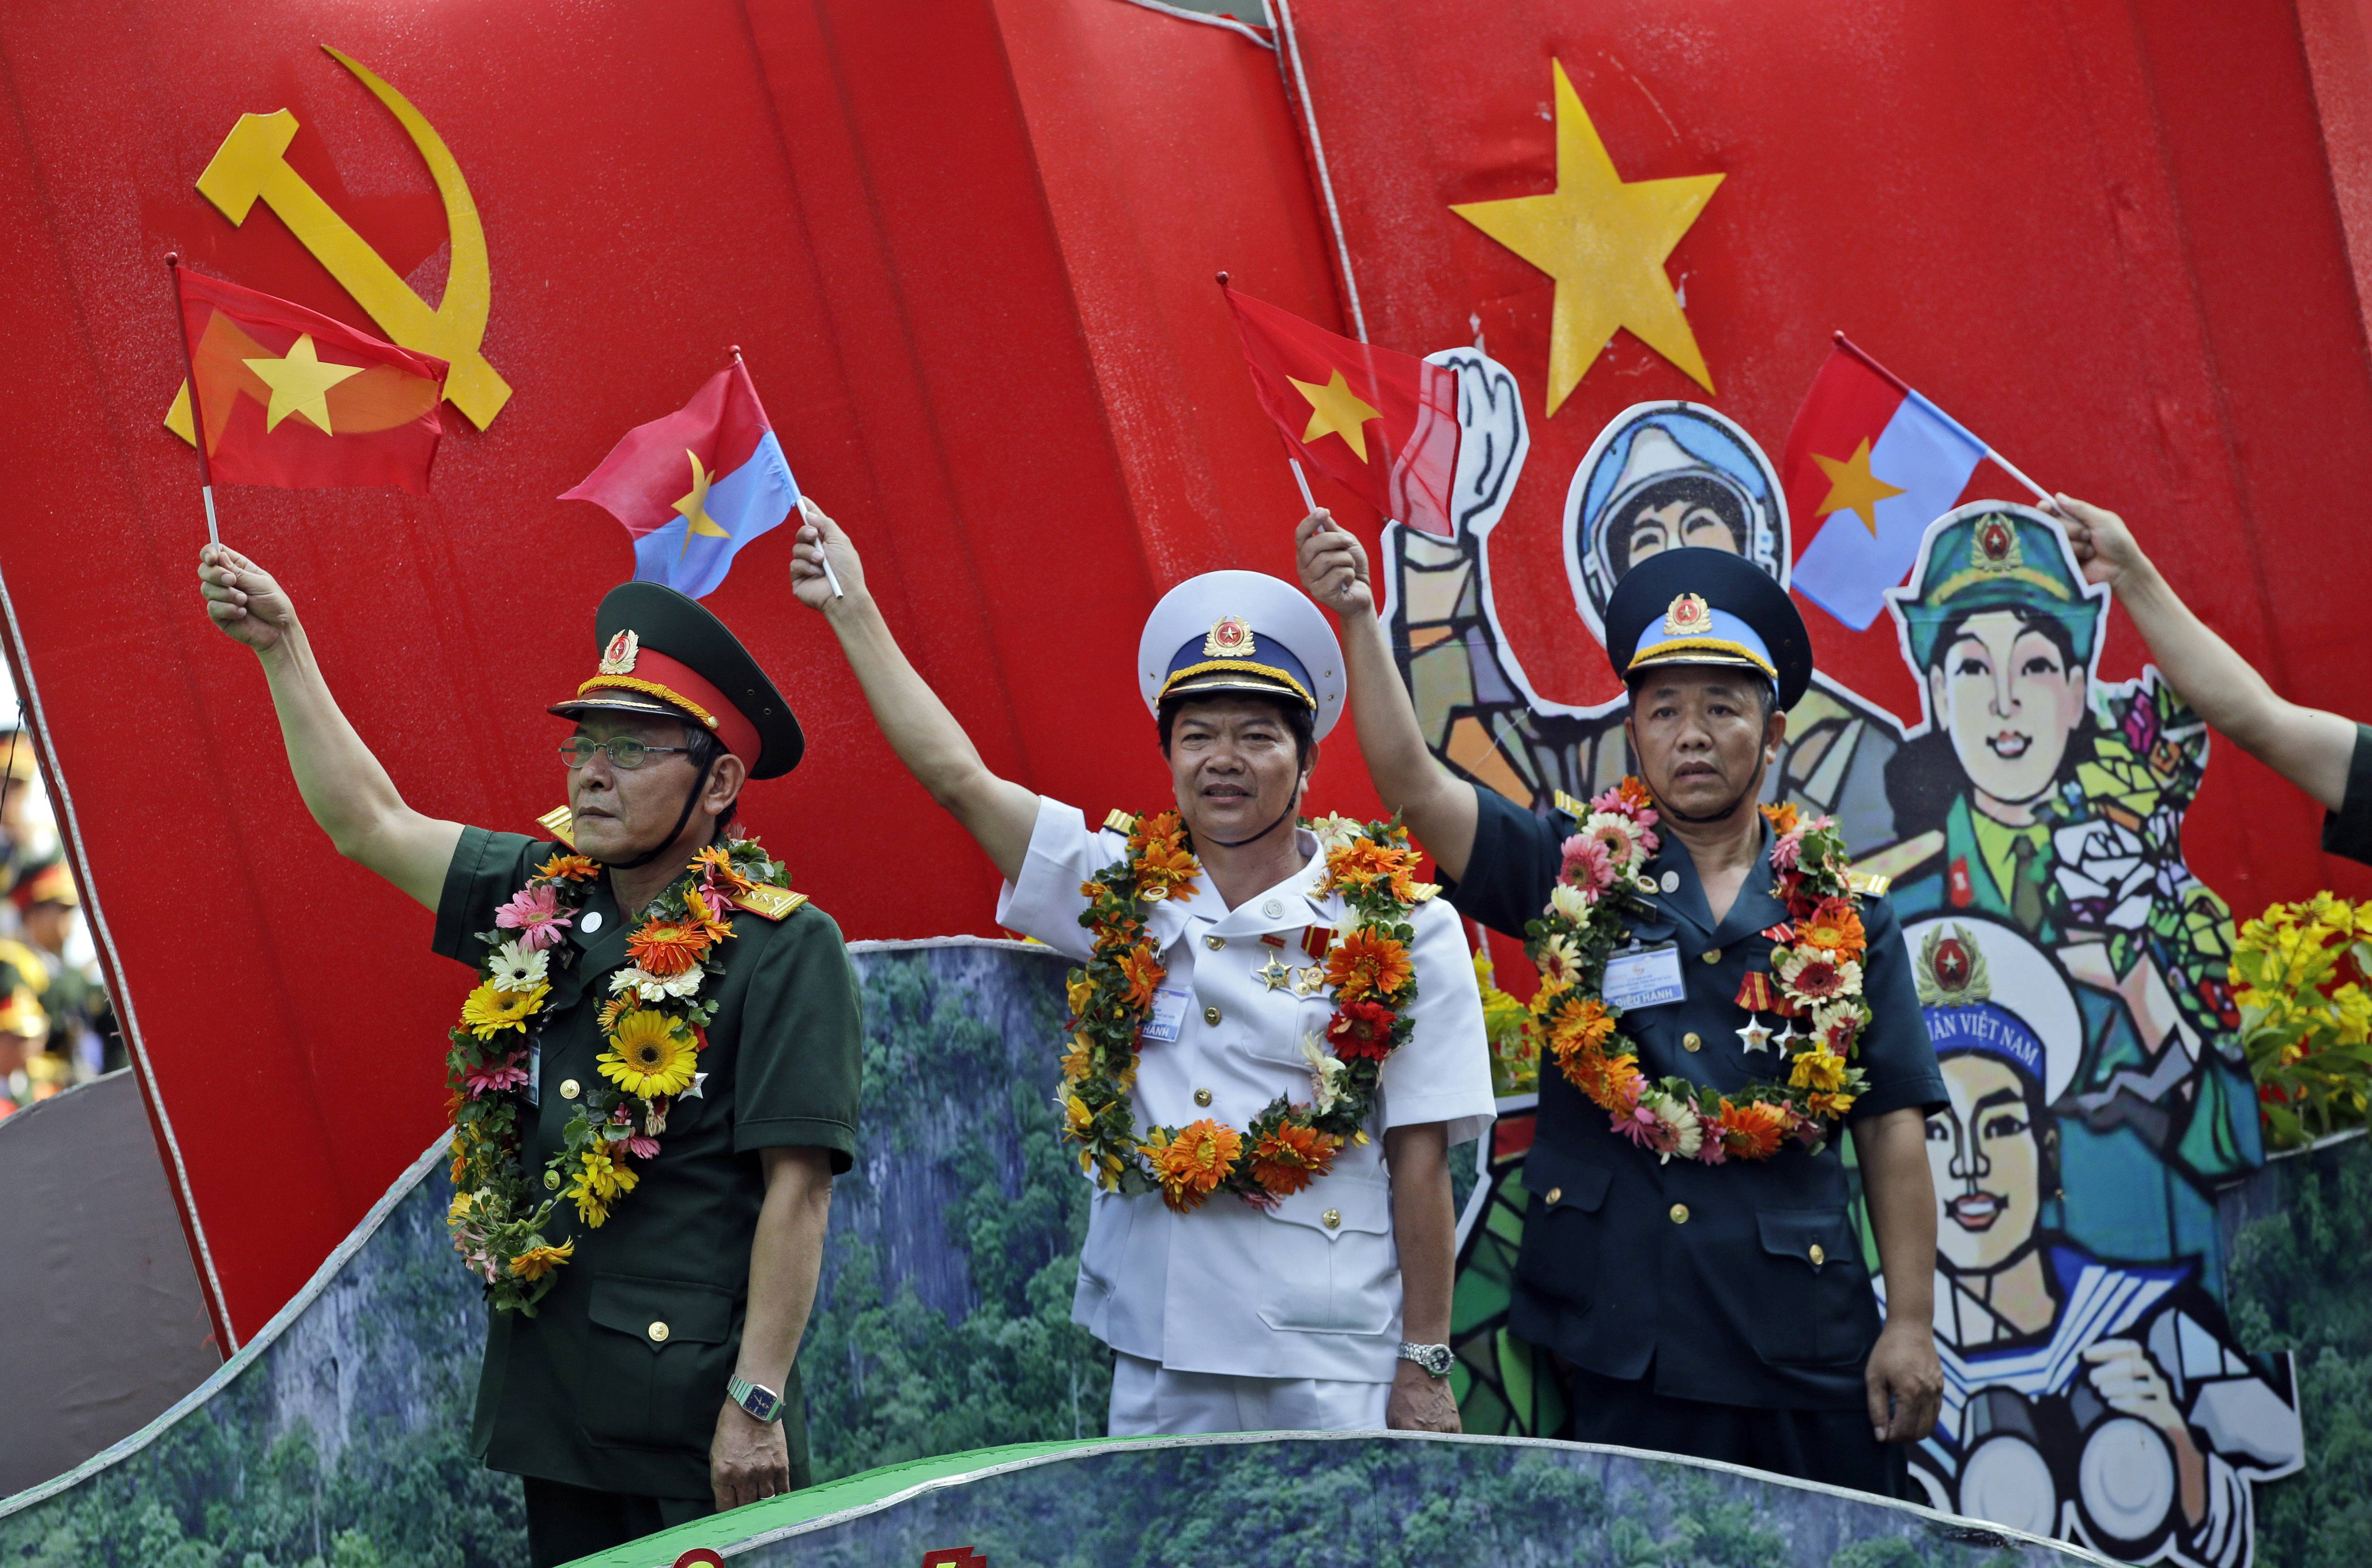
(1271, 972)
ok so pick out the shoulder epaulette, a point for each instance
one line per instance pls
(1120, 822)
(768, 904)
(1869, 884)
(561, 823)
(1576, 809)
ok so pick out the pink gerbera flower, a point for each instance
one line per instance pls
(1587, 864)
(1787, 851)
(494, 1077)
(642, 1148)
(536, 915)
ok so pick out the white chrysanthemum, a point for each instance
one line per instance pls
(652, 988)
(1560, 962)
(1571, 903)
(1685, 1134)
(1623, 838)
(512, 968)
(1326, 1071)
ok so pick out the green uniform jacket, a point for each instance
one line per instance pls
(617, 1381)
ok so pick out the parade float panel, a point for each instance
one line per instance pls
(2054, 231)
(523, 191)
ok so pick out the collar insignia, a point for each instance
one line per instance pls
(1688, 617)
(1231, 637)
(618, 659)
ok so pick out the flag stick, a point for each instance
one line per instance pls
(1302, 480)
(197, 404)
(823, 552)
(1907, 391)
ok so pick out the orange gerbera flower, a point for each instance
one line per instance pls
(614, 1009)
(717, 866)
(538, 1261)
(1144, 973)
(715, 919)
(1165, 867)
(1784, 815)
(669, 947)
(1365, 864)
(1190, 1166)
(1291, 1158)
(1834, 925)
(1610, 1083)
(1368, 963)
(1753, 1131)
(1831, 1105)
(1634, 793)
(1581, 1024)
(568, 868)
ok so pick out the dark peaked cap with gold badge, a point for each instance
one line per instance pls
(1700, 606)
(667, 655)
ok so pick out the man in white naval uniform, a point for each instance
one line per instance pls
(1326, 1310)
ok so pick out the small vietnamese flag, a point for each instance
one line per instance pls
(1382, 423)
(1878, 462)
(695, 486)
(290, 397)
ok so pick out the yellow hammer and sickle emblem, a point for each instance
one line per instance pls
(251, 163)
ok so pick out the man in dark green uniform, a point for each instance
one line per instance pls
(653, 1382)
(1716, 1309)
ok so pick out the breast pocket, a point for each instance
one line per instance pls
(657, 1360)
(1564, 1228)
(1813, 1302)
(1327, 1263)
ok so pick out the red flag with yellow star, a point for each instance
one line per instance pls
(1382, 423)
(291, 398)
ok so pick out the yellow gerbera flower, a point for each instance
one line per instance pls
(648, 1056)
(599, 1181)
(538, 1261)
(488, 1012)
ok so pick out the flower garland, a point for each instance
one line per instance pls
(1288, 1145)
(1815, 961)
(656, 1027)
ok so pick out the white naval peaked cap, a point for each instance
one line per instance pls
(1242, 631)
(2019, 981)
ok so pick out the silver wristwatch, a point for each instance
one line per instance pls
(1434, 1359)
(762, 1402)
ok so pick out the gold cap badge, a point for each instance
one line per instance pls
(1688, 617)
(618, 659)
(1231, 637)
(1995, 547)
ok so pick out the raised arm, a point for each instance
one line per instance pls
(2310, 747)
(996, 812)
(1439, 805)
(345, 788)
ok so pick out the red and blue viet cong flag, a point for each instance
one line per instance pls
(695, 487)
(1873, 463)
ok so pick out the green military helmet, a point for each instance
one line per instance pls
(1996, 555)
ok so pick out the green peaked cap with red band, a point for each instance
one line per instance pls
(661, 652)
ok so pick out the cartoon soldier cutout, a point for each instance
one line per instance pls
(1275, 1034)
(2035, 794)
(1688, 1253)
(1661, 476)
(2098, 1401)
(654, 1081)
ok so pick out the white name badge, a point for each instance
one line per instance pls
(1169, 1012)
(1645, 977)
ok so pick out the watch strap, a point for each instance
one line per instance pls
(760, 1402)
(1435, 1359)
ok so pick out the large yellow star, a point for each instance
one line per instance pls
(1604, 242)
(300, 384)
(1853, 488)
(1335, 409)
(694, 508)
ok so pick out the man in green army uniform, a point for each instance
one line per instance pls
(2040, 797)
(638, 1369)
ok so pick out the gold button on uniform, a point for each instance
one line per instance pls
(1819, 1255)
(1334, 1218)
(1680, 1214)
(658, 1333)
(1692, 1041)
(1712, 955)
(1210, 1015)
(1202, 1096)
(1215, 943)
(552, 1180)
(569, 1088)
(1554, 1194)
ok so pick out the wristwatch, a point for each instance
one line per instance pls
(762, 1402)
(1434, 1359)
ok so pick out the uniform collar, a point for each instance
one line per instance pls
(1296, 900)
(1755, 909)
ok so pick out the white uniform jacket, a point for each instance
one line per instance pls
(1311, 1289)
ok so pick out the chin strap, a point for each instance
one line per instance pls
(1287, 815)
(690, 800)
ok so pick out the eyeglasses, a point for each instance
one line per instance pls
(624, 752)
